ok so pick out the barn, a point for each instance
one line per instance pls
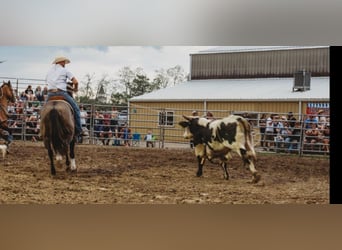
(268, 79)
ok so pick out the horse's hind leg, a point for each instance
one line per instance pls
(52, 166)
(71, 163)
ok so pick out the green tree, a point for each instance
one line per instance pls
(118, 98)
(140, 85)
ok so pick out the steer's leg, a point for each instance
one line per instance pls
(201, 157)
(225, 170)
(201, 161)
(249, 160)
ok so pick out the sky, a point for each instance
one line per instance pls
(33, 62)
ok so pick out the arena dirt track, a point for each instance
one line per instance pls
(139, 175)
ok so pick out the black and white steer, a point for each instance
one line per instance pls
(218, 138)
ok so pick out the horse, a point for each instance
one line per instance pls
(58, 133)
(6, 96)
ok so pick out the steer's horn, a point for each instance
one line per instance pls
(187, 117)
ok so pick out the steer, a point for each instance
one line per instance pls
(218, 138)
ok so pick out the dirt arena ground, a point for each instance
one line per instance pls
(139, 175)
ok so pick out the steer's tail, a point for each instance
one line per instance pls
(249, 144)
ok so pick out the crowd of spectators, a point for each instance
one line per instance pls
(310, 134)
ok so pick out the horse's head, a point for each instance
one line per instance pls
(7, 91)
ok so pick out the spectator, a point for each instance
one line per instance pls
(116, 137)
(149, 138)
(311, 119)
(29, 93)
(23, 96)
(45, 93)
(285, 134)
(311, 136)
(210, 116)
(126, 135)
(98, 123)
(278, 130)
(106, 134)
(84, 116)
(325, 138)
(114, 118)
(33, 126)
(269, 132)
(291, 119)
(321, 118)
(39, 94)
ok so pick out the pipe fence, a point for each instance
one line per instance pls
(111, 125)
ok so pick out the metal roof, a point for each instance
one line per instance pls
(232, 49)
(263, 89)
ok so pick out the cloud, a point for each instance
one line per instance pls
(34, 61)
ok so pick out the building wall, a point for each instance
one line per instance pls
(256, 64)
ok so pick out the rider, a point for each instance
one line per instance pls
(57, 79)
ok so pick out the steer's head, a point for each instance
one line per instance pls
(187, 125)
(193, 125)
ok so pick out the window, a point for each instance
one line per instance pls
(166, 118)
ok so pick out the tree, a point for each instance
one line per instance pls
(162, 79)
(135, 82)
(86, 93)
(118, 98)
(126, 76)
(177, 74)
(140, 85)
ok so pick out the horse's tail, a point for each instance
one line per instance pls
(58, 133)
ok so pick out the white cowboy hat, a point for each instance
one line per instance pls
(61, 59)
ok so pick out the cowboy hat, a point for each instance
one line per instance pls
(61, 59)
(320, 111)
